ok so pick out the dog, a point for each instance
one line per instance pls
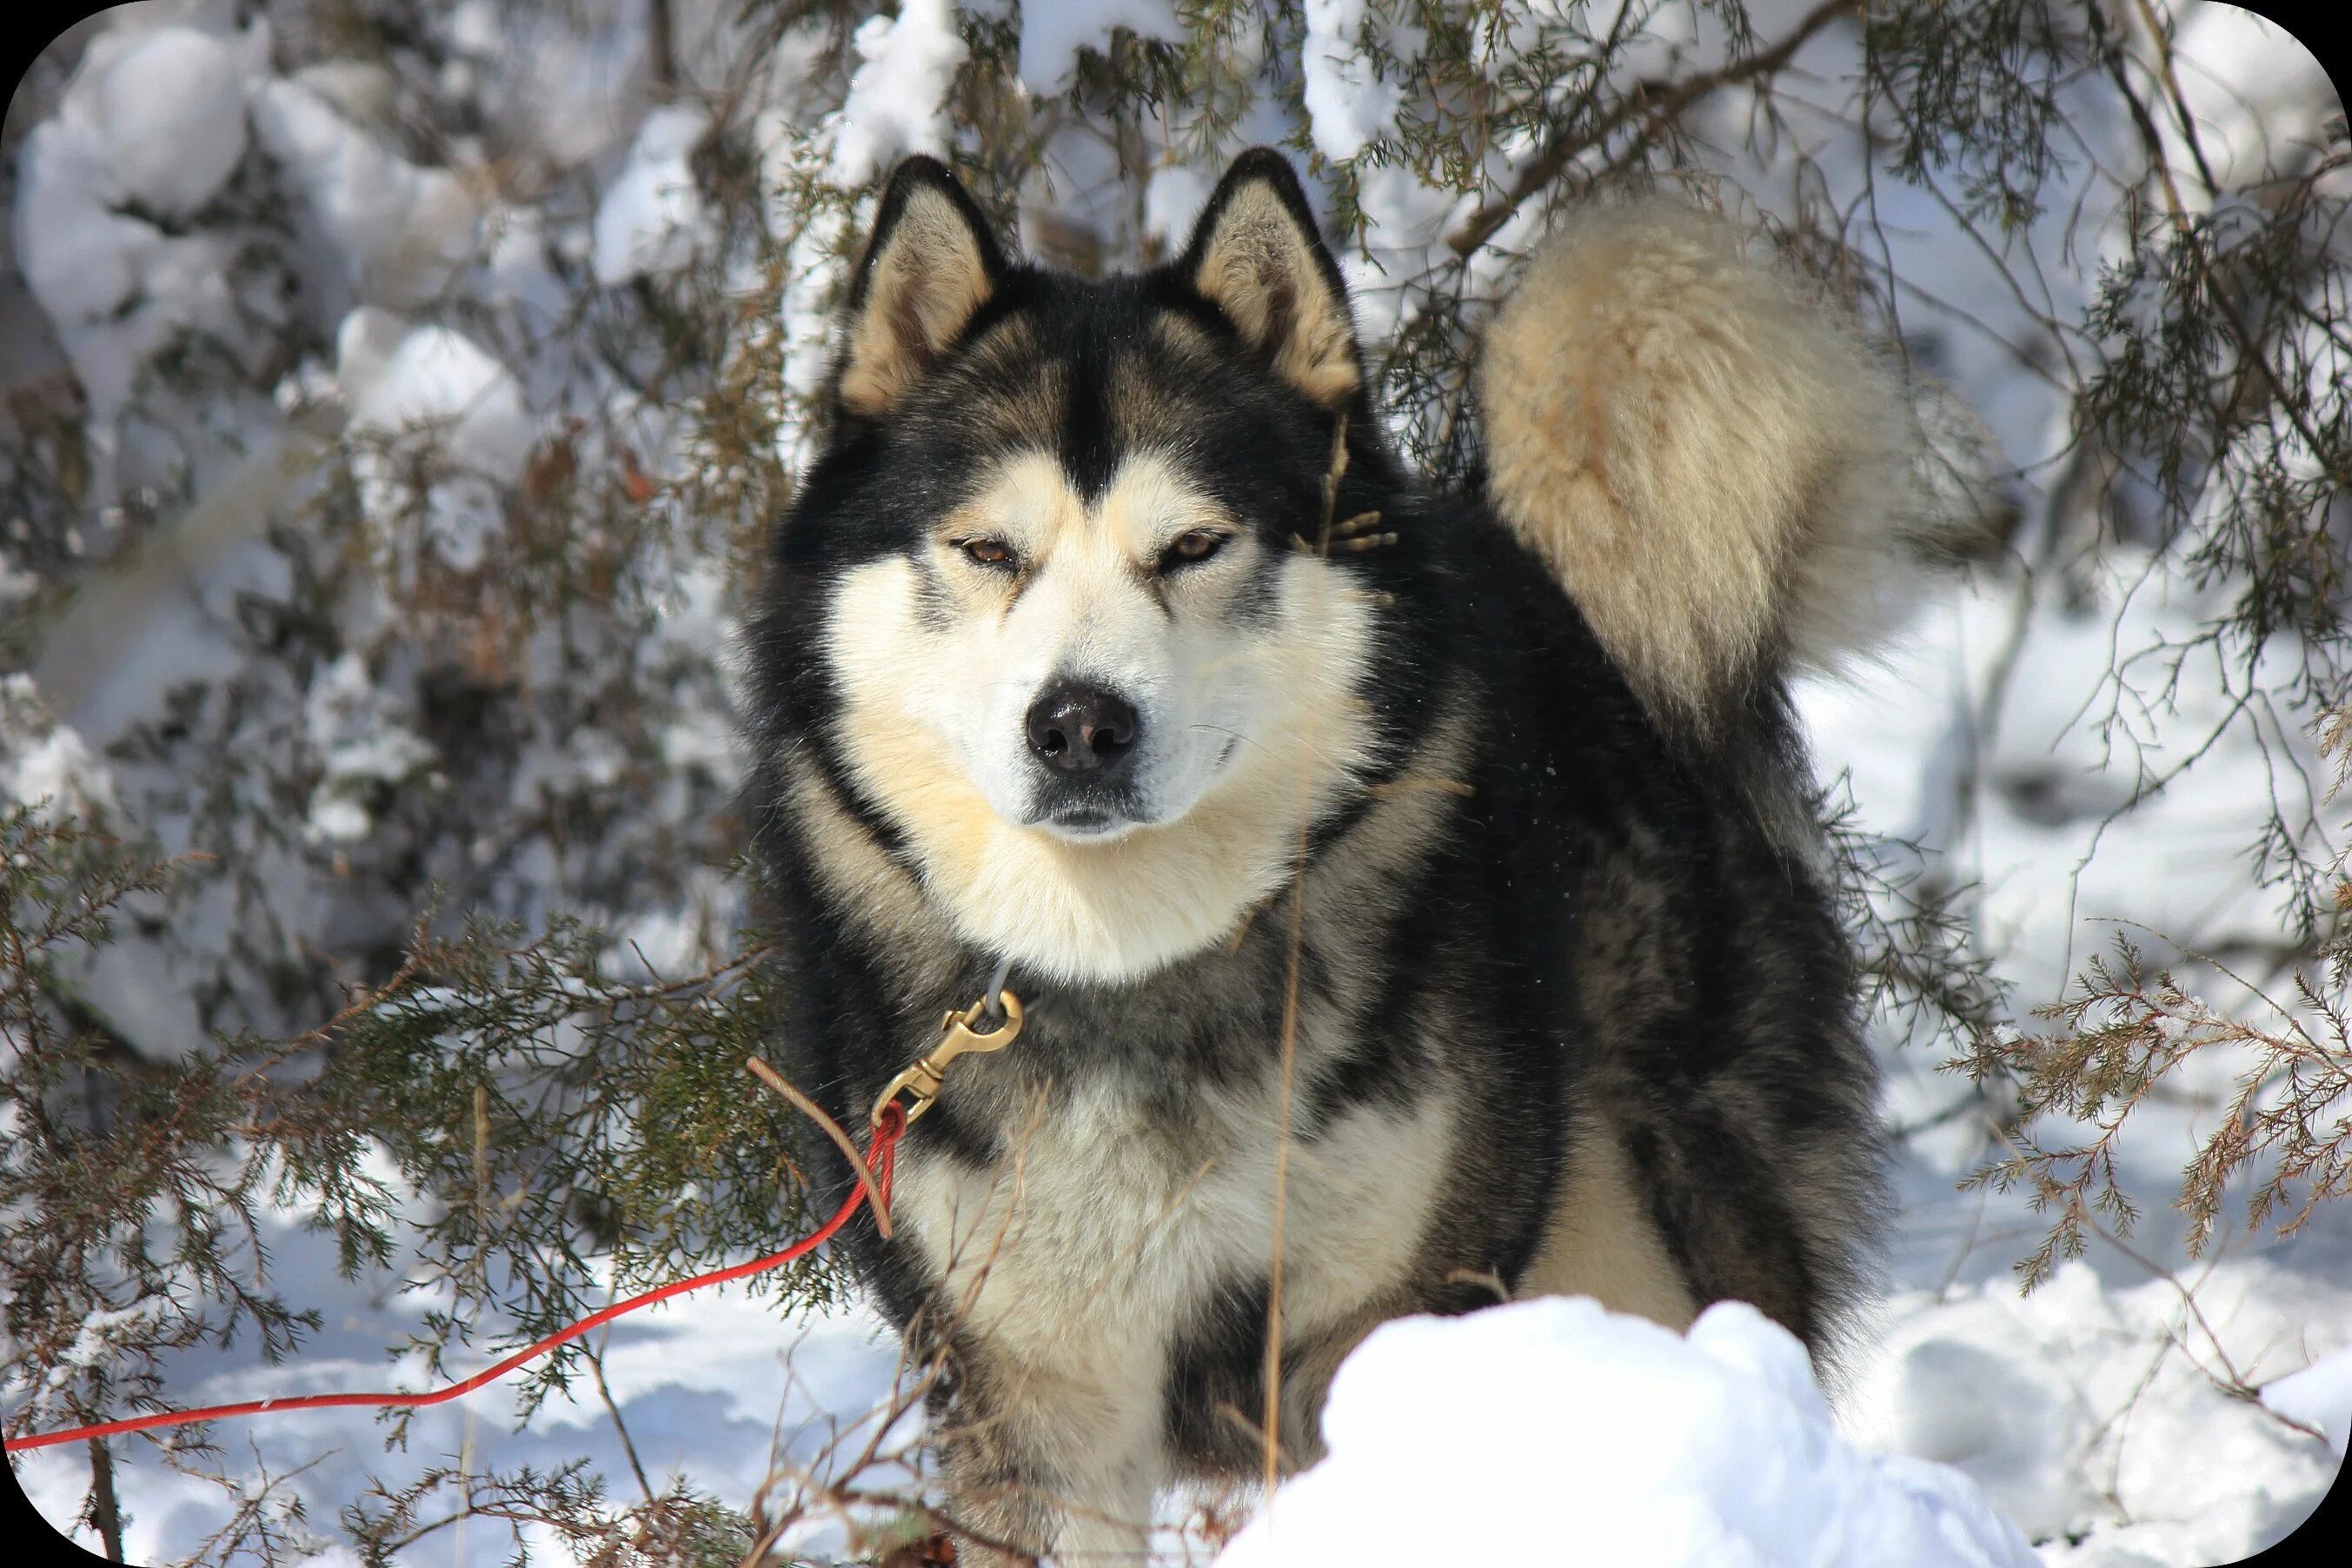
(1413, 900)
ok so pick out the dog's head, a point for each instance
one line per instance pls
(1075, 654)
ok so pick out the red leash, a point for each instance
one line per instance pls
(890, 1125)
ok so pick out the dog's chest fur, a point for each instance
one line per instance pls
(1119, 1208)
(1094, 1207)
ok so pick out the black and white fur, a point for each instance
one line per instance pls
(1041, 671)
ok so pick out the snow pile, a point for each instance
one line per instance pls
(1554, 1429)
(387, 231)
(2319, 1396)
(356, 726)
(47, 765)
(2074, 1408)
(1347, 102)
(435, 388)
(164, 111)
(896, 101)
(652, 219)
(1053, 31)
(149, 131)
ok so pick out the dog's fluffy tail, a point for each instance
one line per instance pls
(1725, 476)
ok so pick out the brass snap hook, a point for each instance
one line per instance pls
(957, 1039)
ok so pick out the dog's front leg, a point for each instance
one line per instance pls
(1039, 1464)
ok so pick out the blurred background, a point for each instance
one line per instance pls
(392, 397)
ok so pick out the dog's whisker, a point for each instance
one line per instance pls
(1236, 734)
(1419, 784)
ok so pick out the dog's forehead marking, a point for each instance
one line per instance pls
(1095, 382)
(1011, 392)
(1152, 393)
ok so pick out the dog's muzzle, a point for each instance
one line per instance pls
(1085, 738)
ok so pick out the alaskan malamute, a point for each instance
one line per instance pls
(1428, 882)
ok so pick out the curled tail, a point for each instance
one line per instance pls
(1728, 479)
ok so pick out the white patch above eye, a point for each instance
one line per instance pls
(1028, 503)
(1150, 503)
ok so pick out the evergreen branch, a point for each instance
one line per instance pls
(1654, 104)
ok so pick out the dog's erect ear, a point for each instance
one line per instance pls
(929, 263)
(1256, 255)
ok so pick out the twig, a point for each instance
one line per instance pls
(105, 1511)
(596, 1359)
(2235, 1384)
(1272, 1469)
(816, 1113)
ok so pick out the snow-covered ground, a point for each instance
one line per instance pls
(1712, 1448)
(2091, 1415)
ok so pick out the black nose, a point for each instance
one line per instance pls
(1076, 728)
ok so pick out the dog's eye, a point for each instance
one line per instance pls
(1197, 545)
(994, 553)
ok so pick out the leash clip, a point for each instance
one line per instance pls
(957, 1039)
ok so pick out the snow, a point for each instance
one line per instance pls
(2059, 771)
(391, 231)
(1053, 31)
(103, 1330)
(46, 764)
(896, 99)
(150, 128)
(15, 586)
(437, 386)
(357, 728)
(1555, 1429)
(560, 85)
(59, 775)
(2257, 92)
(2319, 1396)
(1172, 203)
(168, 106)
(2078, 1401)
(652, 219)
(1347, 104)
